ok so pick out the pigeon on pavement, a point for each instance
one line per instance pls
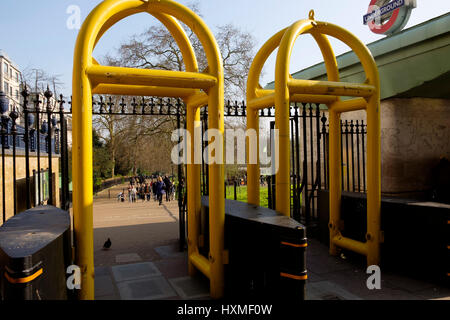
(107, 244)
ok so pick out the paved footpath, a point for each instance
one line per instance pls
(144, 261)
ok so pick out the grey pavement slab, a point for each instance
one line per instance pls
(170, 251)
(128, 257)
(135, 271)
(312, 277)
(408, 284)
(390, 294)
(190, 287)
(326, 290)
(173, 267)
(104, 286)
(154, 288)
(102, 271)
(325, 263)
(437, 293)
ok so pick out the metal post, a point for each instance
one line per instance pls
(274, 165)
(38, 143)
(347, 170)
(48, 94)
(305, 167)
(14, 115)
(358, 156)
(293, 187)
(63, 143)
(26, 140)
(311, 157)
(3, 133)
(297, 215)
(179, 173)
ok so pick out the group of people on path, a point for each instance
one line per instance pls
(141, 189)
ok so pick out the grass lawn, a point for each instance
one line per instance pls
(241, 193)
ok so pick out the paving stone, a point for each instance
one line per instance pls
(170, 251)
(173, 267)
(128, 257)
(102, 271)
(434, 293)
(354, 281)
(113, 297)
(154, 288)
(191, 287)
(326, 290)
(312, 277)
(316, 248)
(134, 271)
(390, 294)
(325, 264)
(104, 286)
(408, 284)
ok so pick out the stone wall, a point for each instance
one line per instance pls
(415, 133)
(20, 174)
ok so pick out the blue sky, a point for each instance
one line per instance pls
(34, 33)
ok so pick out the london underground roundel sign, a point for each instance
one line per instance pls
(388, 16)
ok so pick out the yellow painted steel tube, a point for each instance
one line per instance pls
(193, 183)
(335, 179)
(269, 100)
(373, 141)
(282, 106)
(350, 105)
(373, 236)
(174, 27)
(328, 55)
(215, 121)
(330, 88)
(199, 99)
(253, 170)
(99, 20)
(154, 91)
(201, 263)
(178, 79)
(216, 192)
(350, 244)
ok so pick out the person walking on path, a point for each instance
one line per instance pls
(147, 191)
(160, 189)
(154, 189)
(133, 193)
(168, 187)
(130, 196)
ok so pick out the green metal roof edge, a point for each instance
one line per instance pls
(422, 32)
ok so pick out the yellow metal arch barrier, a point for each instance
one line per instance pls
(195, 88)
(289, 90)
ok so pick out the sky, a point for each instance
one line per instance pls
(34, 34)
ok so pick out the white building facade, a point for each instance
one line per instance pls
(10, 79)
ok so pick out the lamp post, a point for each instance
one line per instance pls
(4, 107)
(48, 94)
(14, 115)
(29, 120)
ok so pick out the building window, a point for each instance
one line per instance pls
(17, 94)
(5, 68)
(6, 88)
(17, 77)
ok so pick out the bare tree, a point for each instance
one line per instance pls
(38, 79)
(141, 141)
(156, 49)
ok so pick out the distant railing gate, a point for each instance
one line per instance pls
(311, 153)
(309, 149)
